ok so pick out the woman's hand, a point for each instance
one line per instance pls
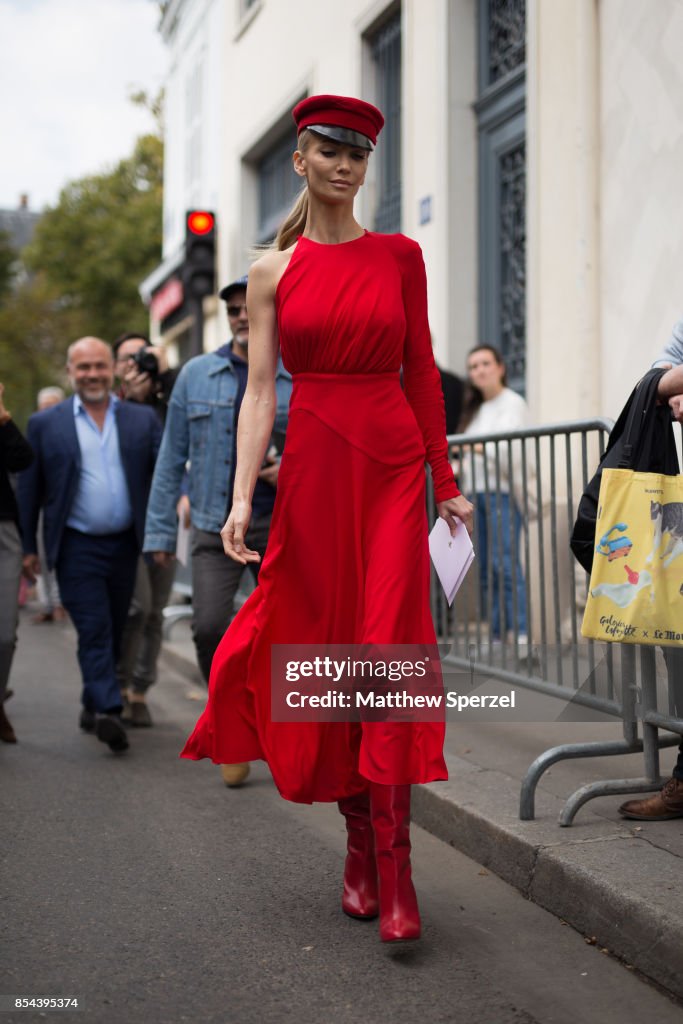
(233, 533)
(460, 507)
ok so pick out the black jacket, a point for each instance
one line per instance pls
(642, 439)
(15, 454)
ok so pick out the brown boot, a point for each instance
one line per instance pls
(7, 734)
(235, 774)
(668, 803)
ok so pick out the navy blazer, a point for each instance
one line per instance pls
(51, 482)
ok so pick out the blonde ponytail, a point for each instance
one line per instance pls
(294, 223)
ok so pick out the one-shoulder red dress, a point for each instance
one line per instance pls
(347, 559)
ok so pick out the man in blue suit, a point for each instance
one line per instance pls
(94, 459)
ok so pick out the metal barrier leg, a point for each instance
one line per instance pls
(566, 752)
(613, 787)
(648, 682)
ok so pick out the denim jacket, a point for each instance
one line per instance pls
(199, 428)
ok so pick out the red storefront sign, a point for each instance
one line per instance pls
(167, 299)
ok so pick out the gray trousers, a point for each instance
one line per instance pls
(141, 641)
(10, 575)
(215, 579)
(46, 583)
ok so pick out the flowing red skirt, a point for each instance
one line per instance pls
(347, 562)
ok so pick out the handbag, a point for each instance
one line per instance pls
(641, 439)
(636, 585)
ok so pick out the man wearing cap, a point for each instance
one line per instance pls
(201, 428)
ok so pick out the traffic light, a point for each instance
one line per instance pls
(199, 269)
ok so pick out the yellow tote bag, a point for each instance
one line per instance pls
(636, 586)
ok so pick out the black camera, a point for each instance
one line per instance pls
(146, 362)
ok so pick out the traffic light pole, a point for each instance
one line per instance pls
(197, 326)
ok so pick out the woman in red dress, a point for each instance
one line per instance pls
(347, 559)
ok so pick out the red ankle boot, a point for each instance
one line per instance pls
(360, 871)
(399, 917)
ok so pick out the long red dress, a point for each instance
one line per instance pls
(347, 559)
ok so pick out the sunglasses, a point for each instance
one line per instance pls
(237, 309)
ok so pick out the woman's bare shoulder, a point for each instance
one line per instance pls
(271, 263)
(267, 270)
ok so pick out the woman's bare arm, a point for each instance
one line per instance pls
(257, 413)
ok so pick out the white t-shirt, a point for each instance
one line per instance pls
(507, 411)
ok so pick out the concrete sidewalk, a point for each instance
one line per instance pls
(618, 883)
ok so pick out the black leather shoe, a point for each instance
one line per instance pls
(87, 720)
(7, 733)
(109, 730)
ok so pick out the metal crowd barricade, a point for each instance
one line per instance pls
(544, 471)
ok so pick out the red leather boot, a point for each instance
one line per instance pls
(399, 917)
(360, 871)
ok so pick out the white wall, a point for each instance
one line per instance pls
(195, 45)
(641, 176)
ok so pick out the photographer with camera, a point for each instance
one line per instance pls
(144, 376)
(143, 372)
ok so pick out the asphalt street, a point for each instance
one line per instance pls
(142, 886)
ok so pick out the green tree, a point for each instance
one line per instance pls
(103, 237)
(34, 336)
(7, 260)
(86, 259)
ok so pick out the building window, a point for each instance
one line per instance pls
(278, 186)
(502, 182)
(506, 31)
(385, 50)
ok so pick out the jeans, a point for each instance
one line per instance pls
(498, 526)
(10, 574)
(215, 580)
(96, 578)
(141, 642)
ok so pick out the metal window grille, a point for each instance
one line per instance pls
(502, 182)
(506, 37)
(513, 262)
(385, 48)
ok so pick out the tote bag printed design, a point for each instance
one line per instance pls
(636, 585)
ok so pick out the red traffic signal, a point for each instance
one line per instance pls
(200, 222)
(198, 273)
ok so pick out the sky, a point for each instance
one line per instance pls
(66, 70)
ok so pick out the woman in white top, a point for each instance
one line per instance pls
(490, 408)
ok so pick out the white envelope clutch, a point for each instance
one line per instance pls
(452, 556)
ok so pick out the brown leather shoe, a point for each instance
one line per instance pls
(7, 733)
(235, 774)
(666, 804)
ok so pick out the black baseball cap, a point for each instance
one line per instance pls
(239, 285)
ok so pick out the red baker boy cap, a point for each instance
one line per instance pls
(342, 118)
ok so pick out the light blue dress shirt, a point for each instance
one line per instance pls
(102, 503)
(673, 353)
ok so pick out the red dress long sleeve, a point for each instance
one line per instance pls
(347, 559)
(420, 374)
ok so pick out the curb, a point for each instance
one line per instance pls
(607, 881)
(611, 884)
